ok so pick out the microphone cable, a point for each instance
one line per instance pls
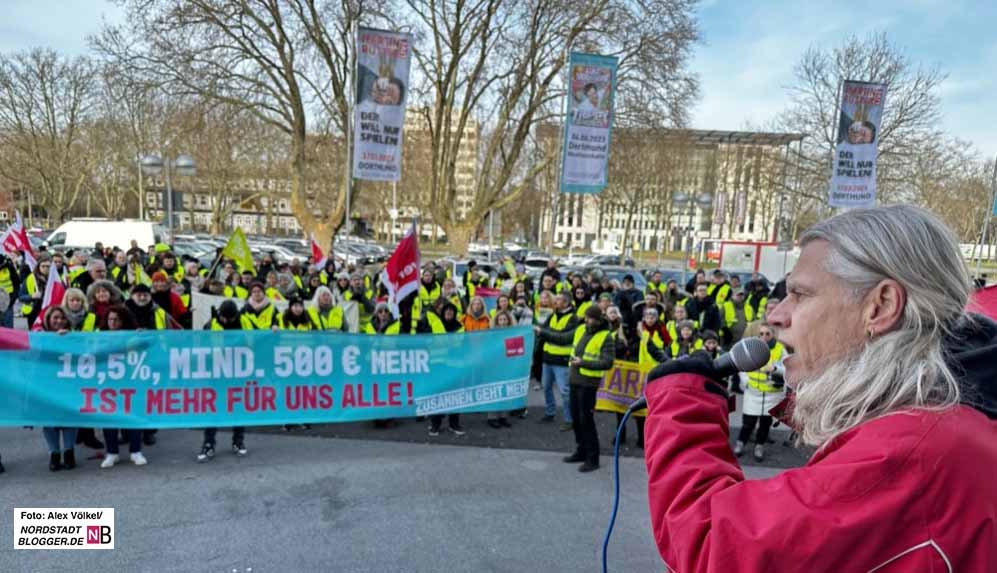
(616, 489)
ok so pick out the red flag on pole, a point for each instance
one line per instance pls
(401, 273)
(16, 239)
(318, 257)
(54, 291)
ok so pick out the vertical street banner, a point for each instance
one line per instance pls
(853, 178)
(381, 83)
(587, 125)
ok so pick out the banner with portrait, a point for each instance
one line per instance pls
(587, 125)
(381, 83)
(853, 179)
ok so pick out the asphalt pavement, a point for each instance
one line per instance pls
(303, 503)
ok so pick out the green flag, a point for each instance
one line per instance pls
(237, 249)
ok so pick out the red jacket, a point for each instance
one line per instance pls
(912, 491)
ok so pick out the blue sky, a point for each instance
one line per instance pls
(752, 46)
(746, 61)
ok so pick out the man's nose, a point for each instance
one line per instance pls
(780, 316)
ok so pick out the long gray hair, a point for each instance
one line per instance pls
(904, 368)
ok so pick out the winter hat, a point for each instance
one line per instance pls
(160, 276)
(141, 288)
(228, 310)
(710, 335)
(606, 296)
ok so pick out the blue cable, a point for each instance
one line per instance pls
(616, 490)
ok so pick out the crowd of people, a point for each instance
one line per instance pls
(583, 321)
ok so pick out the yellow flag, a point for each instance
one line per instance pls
(237, 249)
(141, 277)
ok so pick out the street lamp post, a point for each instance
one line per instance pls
(682, 200)
(184, 166)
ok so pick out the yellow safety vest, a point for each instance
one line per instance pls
(673, 331)
(160, 319)
(89, 323)
(302, 327)
(364, 316)
(592, 351)
(426, 297)
(215, 325)
(297, 281)
(730, 313)
(237, 292)
(332, 320)
(435, 323)
(646, 338)
(30, 285)
(262, 321)
(760, 380)
(580, 313)
(675, 347)
(660, 288)
(185, 299)
(558, 325)
(273, 294)
(6, 283)
(722, 294)
(393, 329)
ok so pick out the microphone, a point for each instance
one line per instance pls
(748, 355)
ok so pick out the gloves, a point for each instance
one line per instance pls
(699, 363)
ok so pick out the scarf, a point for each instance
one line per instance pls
(75, 318)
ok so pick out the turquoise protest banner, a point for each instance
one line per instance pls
(175, 379)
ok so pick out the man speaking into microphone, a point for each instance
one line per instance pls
(896, 385)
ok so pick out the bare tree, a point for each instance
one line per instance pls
(287, 62)
(493, 68)
(45, 100)
(910, 120)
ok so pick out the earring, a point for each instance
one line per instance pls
(870, 334)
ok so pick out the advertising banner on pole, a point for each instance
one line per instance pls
(853, 180)
(587, 125)
(382, 81)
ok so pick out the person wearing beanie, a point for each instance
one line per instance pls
(166, 298)
(258, 313)
(383, 322)
(74, 304)
(295, 317)
(593, 352)
(148, 316)
(341, 285)
(687, 342)
(325, 312)
(711, 343)
(169, 266)
(227, 317)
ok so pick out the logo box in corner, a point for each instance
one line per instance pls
(63, 528)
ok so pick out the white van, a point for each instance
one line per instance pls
(84, 233)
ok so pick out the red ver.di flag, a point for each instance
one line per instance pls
(585, 150)
(401, 273)
(853, 181)
(382, 80)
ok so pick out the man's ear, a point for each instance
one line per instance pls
(883, 308)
